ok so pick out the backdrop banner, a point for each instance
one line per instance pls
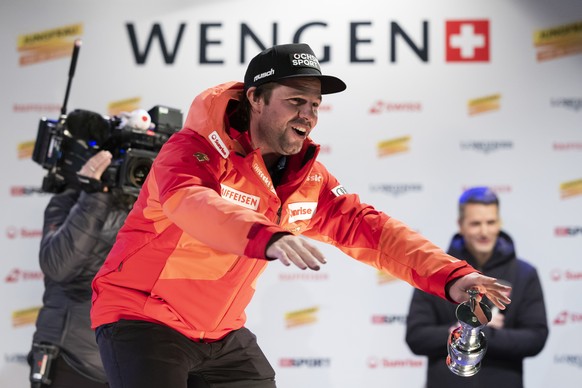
(442, 95)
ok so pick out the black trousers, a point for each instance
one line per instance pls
(139, 354)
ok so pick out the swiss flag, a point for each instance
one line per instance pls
(467, 40)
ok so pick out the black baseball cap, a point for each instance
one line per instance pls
(289, 61)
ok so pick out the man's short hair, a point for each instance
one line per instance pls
(482, 195)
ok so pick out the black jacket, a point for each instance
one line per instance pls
(79, 230)
(524, 334)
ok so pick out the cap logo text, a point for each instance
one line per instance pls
(305, 60)
(263, 75)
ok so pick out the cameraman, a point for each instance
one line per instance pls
(80, 227)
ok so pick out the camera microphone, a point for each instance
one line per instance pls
(74, 57)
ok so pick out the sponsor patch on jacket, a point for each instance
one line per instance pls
(301, 211)
(217, 142)
(238, 197)
(339, 190)
(201, 157)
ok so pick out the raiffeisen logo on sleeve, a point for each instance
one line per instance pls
(238, 197)
(48, 44)
(467, 41)
(301, 211)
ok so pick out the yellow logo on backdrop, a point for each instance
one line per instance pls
(25, 149)
(25, 317)
(128, 105)
(571, 189)
(558, 41)
(301, 317)
(385, 277)
(484, 104)
(49, 44)
(390, 147)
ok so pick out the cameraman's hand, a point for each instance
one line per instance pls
(96, 165)
(294, 249)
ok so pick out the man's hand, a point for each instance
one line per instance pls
(96, 165)
(490, 287)
(293, 249)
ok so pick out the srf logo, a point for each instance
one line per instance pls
(467, 41)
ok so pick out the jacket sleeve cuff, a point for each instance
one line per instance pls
(456, 275)
(259, 237)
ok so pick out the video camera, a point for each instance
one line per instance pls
(134, 139)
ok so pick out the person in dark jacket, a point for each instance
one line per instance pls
(80, 228)
(513, 334)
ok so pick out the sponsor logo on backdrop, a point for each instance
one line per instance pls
(569, 359)
(301, 317)
(574, 104)
(15, 358)
(559, 275)
(239, 198)
(24, 150)
(374, 362)
(385, 278)
(497, 189)
(483, 104)
(25, 191)
(115, 108)
(379, 319)
(467, 40)
(566, 317)
(391, 107)
(48, 44)
(393, 146)
(310, 277)
(17, 275)
(571, 189)
(396, 189)
(36, 108)
(304, 362)
(568, 231)
(558, 41)
(13, 232)
(487, 146)
(25, 317)
(568, 146)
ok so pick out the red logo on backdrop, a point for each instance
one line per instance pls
(13, 232)
(16, 275)
(467, 41)
(566, 316)
(565, 275)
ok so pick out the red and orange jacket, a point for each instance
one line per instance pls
(194, 244)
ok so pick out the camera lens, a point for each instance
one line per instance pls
(139, 172)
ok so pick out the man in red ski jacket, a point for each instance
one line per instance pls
(236, 188)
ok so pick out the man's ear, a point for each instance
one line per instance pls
(255, 102)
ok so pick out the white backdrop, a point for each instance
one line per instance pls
(415, 127)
